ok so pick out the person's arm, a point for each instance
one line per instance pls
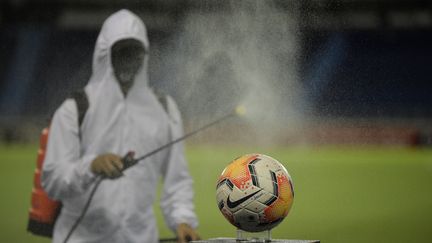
(65, 173)
(177, 199)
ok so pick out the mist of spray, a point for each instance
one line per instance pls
(245, 54)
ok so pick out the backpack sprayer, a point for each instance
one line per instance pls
(129, 161)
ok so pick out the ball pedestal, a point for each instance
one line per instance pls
(244, 236)
(248, 237)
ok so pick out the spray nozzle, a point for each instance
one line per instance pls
(240, 110)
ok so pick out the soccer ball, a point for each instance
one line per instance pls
(254, 192)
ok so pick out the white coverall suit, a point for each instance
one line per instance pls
(122, 209)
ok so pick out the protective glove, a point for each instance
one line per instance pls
(185, 233)
(108, 165)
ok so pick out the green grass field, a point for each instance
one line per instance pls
(343, 194)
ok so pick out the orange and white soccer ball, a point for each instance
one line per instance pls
(254, 192)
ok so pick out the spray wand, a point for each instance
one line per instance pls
(129, 161)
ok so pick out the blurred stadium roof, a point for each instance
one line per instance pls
(314, 14)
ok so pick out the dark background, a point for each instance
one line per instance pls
(357, 59)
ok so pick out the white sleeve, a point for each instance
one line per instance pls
(177, 199)
(65, 173)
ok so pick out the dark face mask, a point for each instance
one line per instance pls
(127, 57)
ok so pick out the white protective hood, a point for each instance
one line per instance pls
(121, 210)
(104, 92)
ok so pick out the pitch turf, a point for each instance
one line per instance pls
(342, 194)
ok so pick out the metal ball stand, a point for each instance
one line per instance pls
(247, 237)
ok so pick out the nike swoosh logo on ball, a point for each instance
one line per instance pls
(234, 204)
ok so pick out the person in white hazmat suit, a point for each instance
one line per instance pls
(123, 115)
